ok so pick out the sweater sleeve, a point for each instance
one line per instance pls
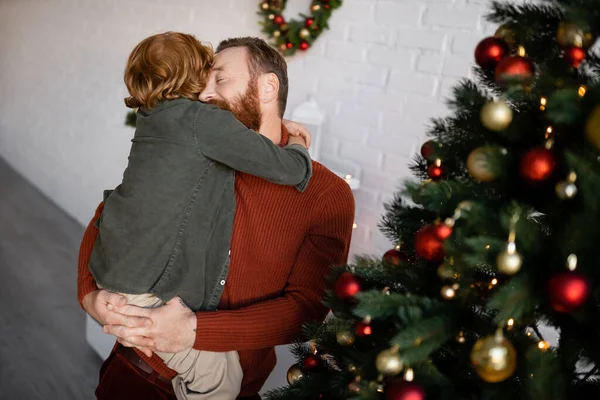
(254, 327)
(224, 139)
(85, 280)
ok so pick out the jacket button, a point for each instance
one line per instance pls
(222, 282)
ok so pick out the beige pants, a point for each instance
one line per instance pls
(201, 375)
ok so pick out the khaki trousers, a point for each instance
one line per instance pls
(201, 375)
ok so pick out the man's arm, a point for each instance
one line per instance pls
(279, 321)
(85, 281)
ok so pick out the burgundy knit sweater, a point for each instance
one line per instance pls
(282, 246)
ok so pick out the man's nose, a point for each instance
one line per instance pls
(207, 94)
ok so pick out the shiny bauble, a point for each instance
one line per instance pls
(304, 46)
(389, 363)
(574, 56)
(490, 51)
(592, 128)
(312, 361)
(442, 231)
(403, 390)
(294, 374)
(429, 150)
(507, 35)
(427, 245)
(509, 262)
(481, 164)
(435, 171)
(570, 34)
(278, 19)
(537, 164)
(345, 337)
(568, 291)
(347, 286)
(494, 358)
(304, 33)
(496, 116)
(515, 70)
(363, 329)
(394, 257)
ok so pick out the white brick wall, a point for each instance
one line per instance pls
(380, 73)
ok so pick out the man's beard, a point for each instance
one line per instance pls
(245, 108)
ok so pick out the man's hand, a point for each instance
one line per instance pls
(173, 327)
(295, 129)
(109, 308)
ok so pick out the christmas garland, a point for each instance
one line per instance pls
(290, 36)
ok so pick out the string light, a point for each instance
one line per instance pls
(543, 345)
(521, 51)
(494, 281)
(548, 132)
(543, 102)
(409, 375)
(510, 323)
(348, 177)
(581, 91)
(354, 225)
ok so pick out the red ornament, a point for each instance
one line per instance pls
(289, 45)
(490, 51)
(428, 149)
(394, 257)
(402, 390)
(428, 245)
(574, 55)
(312, 361)
(309, 21)
(442, 231)
(515, 70)
(278, 19)
(537, 164)
(363, 329)
(435, 171)
(567, 291)
(347, 286)
(304, 46)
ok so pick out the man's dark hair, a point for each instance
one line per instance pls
(262, 59)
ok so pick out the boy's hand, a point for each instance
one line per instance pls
(295, 129)
(297, 140)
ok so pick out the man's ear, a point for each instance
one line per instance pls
(269, 88)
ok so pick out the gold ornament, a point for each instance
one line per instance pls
(304, 33)
(345, 337)
(494, 358)
(294, 374)
(506, 34)
(276, 33)
(283, 47)
(570, 34)
(389, 363)
(316, 7)
(271, 17)
(445, 271)
(276, 4)
(509, 261)
(264, 6)
(592, 127)
(496, 116)
(480, 164)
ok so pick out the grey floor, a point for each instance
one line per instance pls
(43, 353)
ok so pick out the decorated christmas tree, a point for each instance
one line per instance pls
(496, 240)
